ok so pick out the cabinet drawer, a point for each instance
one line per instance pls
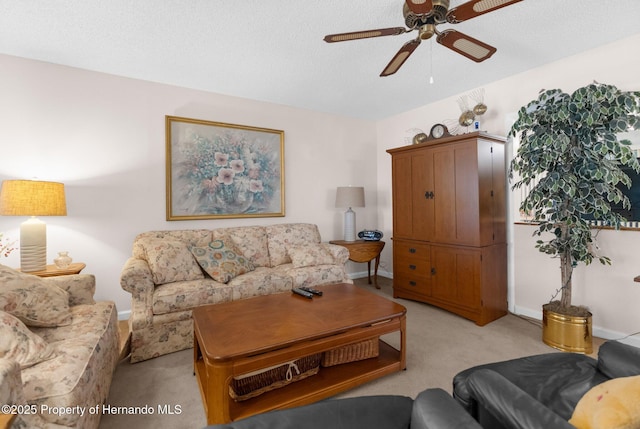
(411, 250)
(411, 267)
(415, 284)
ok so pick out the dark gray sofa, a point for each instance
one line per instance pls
(432, 409)
(539, 391)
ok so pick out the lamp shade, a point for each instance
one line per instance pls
(32, 198)
(350, 196)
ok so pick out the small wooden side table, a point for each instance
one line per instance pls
(364, 251)
(53, 271)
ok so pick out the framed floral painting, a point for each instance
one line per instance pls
(217, 170)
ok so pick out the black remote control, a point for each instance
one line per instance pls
(312, 290)
(302, 292)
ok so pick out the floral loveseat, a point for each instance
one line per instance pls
(172, 272)
(58, 350)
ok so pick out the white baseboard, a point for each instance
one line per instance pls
(124, 315)
(607, 334)
(362, 274)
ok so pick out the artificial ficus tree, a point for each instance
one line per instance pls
(571, 156)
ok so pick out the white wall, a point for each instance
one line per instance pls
(608, 290)
(103, 136)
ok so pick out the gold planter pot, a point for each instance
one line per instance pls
(567, 333)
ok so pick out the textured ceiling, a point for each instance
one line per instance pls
(273, 50)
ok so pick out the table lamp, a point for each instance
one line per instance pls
(32, 198)
(350, 196)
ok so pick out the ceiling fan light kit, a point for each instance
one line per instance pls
(425, 16)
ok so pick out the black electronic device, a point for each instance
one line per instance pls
(370, 235)
(302, 292)
(312, 290)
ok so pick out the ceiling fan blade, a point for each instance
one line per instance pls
(400, 57)
(474, 8)
(466, 45)
(342, 37)
(420, 7)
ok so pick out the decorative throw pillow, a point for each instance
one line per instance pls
(33, 300)
(170, 261)
(18, 343)
(614, 404)
(308, 255)
(221, 260)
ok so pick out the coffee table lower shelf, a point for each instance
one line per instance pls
(328, 382)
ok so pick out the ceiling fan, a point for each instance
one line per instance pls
(424, 16)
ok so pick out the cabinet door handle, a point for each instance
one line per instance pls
(429, 195)
(412, 267)
(412, 250)
(433, 271)
(412, 283)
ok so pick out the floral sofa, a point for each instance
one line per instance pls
(58, 350)
(172, 272)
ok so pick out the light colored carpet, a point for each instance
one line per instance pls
(439, 345)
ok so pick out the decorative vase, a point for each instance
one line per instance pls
(567, 333)
(63, 260)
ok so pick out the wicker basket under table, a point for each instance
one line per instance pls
(256, 383)
(352, 352)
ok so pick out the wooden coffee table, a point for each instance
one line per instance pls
(240, 337)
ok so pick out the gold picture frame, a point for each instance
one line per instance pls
(216, 170)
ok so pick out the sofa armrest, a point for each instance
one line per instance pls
(364, 412)
(436, 409)
(80, 287)
(340, 253)
(136, 279)
(511, 406)
(10, 382)
(616, 359)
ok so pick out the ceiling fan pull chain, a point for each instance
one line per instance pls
(431, 59)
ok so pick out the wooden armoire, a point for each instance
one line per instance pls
(449, 225)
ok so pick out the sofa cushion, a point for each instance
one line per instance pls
(221, 260)
(251, 241)
(80, 373)
(192, 237)
(312, 276)
(307, 255)
(557, 380)
(614, 404)
(261, 281)
(177, 296)
(32, 300)
(17, 342)
(285, 235)
(171, 261)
